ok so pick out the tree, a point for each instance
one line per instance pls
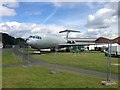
(20, 41)
(7, 39)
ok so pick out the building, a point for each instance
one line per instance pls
(99, 44)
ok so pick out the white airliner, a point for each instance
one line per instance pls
(47, 41)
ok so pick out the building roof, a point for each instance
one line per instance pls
(116, 40)
(94, 40)
(106, 40)
(102, 40)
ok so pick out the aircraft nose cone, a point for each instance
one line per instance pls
(28, 41)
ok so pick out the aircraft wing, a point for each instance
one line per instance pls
(75, 44)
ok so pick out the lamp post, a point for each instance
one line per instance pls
(108, 81)
(109, 61)
(55, 57)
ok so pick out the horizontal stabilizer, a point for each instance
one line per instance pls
(68, 31)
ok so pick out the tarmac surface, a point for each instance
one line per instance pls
(33, 61)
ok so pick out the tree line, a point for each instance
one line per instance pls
(10, 40)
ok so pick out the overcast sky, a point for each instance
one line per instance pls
(93, 19)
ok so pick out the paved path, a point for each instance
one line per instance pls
(35, 61)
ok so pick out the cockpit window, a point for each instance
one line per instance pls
(30, 36)
(37, 37)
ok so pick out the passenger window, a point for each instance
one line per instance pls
(33, 36)
(37, 37)
(40, 37)
(30, 36)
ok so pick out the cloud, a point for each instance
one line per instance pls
(7, 8)
(4, 11)
(104, 17)
(26, 29)
(104, 22)
(95, 33)
(10, 3)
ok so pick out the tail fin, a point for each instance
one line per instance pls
(68, 31)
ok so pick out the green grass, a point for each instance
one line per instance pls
(89, 60)
(8, 57)
(40, 77)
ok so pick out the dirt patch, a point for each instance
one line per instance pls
(115, 64)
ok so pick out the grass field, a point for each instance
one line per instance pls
(8, 57)
(89, 60)
(40, 77)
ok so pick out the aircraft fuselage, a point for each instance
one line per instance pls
(45, 41)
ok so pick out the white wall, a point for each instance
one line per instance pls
(92, 47)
